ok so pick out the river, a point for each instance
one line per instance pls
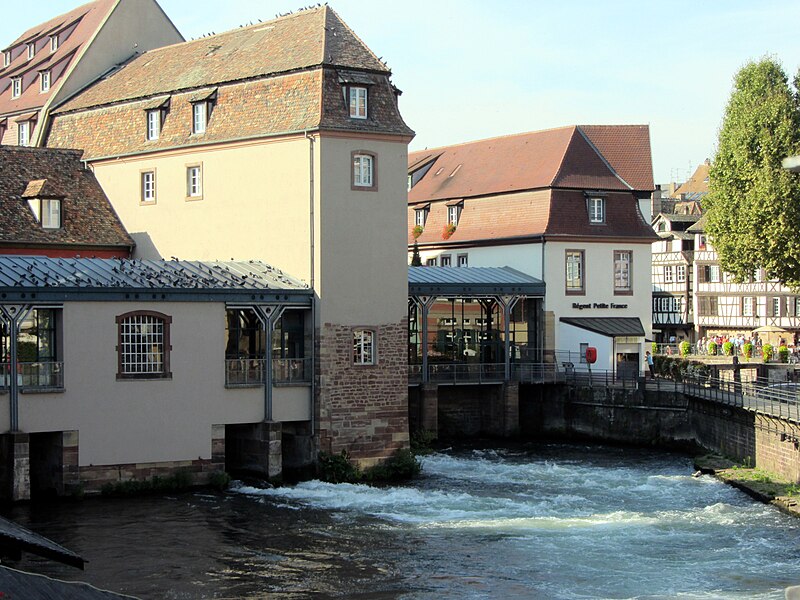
(538, 521)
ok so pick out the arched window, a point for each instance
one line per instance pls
(143, 345)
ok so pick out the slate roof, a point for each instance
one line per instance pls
(30, 586)
(532, 185)
(277, 77)
(80, 23)
(472, 280)
(17, 537)
(608, 326)
(88, 220)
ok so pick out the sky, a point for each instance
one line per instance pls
(473, 69)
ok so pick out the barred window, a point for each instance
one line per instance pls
(363, 347)
(143, 345)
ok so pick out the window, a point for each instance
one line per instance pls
(38, 349)
(583, 349)
(463, 260)
(707, 306)
(713, 274)
(622, 271)
(363, 171)
(776, 307)
(363, 347)
(668, 275)
(153, 124)
(420, 215)
(31, 50)
(680, 273)
(431, 262)
(143, 345)
(597, 210)
(358, 102)
(194, 181)
(747, 306)
(148, 187)
(44, 81)
(445, 260)
(453, 212)
(199, 117)
(16, 87)
(51, 214)
(6, 58)
(53, 43)
(574, 272)
(23, 133)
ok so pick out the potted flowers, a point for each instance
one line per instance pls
(449, 230)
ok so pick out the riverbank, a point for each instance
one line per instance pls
(759, 484)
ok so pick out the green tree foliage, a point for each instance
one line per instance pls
(753, 204)
(416, 260)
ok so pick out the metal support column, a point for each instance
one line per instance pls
(508, 303)
(12, 315)
(425, 303)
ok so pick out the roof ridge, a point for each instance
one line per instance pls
(563, 157)
(603, 158)
(353, 33)
(489, 139)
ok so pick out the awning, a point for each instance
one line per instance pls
(472, 281)
(608, 326)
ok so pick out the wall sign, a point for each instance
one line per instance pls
(597, 305)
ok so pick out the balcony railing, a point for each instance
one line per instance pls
(250, 371)
(34, 375)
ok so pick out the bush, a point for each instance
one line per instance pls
(747, 350)
(766, 352)
(400, 466)
(219, 480)
(654, 348)
(727, 348)
(422, 441)
(686, 348)
(712, 348)
(337, 468)
(783, 354)
(182, 480)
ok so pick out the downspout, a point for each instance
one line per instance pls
(543, 320)
(312, 265)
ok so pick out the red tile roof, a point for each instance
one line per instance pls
(627, 150)
(81, 23)
(88, 220)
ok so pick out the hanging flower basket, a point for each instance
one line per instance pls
(416, 231)
(449, 230)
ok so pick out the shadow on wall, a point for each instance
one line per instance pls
(145, 248)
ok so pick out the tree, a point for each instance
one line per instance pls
(753, 204)
(416, 260)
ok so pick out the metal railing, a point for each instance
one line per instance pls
(34, 375)
(526, 372)
(466, 372)
(250, 371)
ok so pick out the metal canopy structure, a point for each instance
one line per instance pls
(608, 326)
(472, 281)
(35, 279)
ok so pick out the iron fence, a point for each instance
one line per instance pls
(48, 375)
(250, 371)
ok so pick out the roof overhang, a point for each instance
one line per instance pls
(472, 281)
(608, 326)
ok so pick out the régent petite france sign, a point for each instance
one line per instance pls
(598, 305)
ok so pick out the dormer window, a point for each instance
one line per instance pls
(46, 211)
(23, 133)
(453, 213)
(597, 210)
(44, 81)
(358, 102)
(420, 216)
(16, 87)
(53, 43)
(154, 124)
(6, 58)
(199, 117)
(31, 50)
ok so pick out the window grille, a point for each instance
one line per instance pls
(143, 345)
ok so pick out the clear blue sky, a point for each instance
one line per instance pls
(471, 69)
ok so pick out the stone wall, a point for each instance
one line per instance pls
(363, 409)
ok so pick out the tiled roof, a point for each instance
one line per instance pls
(279, 77)
(565, 157)
(88, 220)
(288, 44)
(81, 23)
(696, 186)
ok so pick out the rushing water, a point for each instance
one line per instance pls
(530, 522)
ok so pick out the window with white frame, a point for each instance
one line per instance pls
(31, 50)
(431, 262)
(776, 307)
(53, 42)
(194, 181)
(748, 307)
(668, 274)
(574, 272)
(453, 213)
(623, 260)
(597, 210)
(16, 87)
(6, 58)
(363, 171)
(680, 273)
(714, 274)
(23, 133)
(199, 117)
(463, 260)
(46, 211)
(420, 216)
(445, 260)
(153, 124)
(143, 345)
(148, 186)
(358, 102)
(797, 306)
(363, 347)
(44, 81)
